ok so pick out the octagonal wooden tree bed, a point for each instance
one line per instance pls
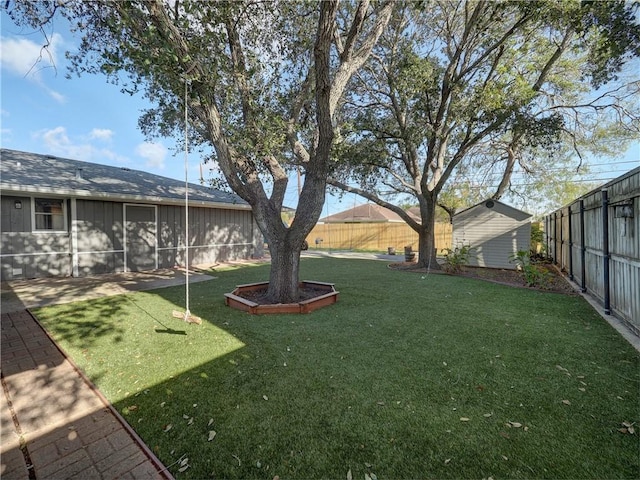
(241, 298)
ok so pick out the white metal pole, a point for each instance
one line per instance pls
(186, 199)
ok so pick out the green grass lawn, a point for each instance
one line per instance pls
(407, 376)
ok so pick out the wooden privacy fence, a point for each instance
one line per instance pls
(373, 236)
(596, 240)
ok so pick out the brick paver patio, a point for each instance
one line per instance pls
(54, 424)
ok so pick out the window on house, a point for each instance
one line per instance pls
(49, 214)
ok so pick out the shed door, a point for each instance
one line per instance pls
(140, 243)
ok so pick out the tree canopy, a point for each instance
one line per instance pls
(264, 83)
(459, 90)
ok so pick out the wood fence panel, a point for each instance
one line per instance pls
(373, 236)
(611, 249)
(575, 245)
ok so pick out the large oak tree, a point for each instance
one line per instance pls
(457, 89)
(264, 79)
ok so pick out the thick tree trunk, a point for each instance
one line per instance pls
(284, 275)
(426, 235)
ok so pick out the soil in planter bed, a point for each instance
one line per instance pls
(554, 282)
(260, 296)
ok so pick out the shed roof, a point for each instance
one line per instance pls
(33, 174)
(497, 206)
(366, 213)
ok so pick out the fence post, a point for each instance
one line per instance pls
(555, 237)
(570, 246)
(547, 232)
(583, 251)
(605, 249)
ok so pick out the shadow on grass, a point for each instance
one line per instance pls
(83, 324)
(406, 376)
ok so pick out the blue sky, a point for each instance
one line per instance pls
(82, 118)
(88, 119)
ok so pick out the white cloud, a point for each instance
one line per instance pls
(58, 142)
(154, 153)
(5, 134)
(29, 59)
(26, 58)
(103, 134)
(58, 97)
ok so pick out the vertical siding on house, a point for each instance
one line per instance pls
(26, 254)
(100, 236)
(215, 235)
(494, 236)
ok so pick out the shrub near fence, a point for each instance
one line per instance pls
(373, 236)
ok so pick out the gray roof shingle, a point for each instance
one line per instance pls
(366, 213)
(31, 173)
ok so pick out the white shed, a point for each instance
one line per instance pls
(495, 231)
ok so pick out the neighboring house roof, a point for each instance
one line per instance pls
(497, 206)
(35, 174)
(367, 213)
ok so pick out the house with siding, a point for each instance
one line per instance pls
(366, 213)
(64, 217)
(495, 231)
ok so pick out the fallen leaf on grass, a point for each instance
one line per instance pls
(168, 427)
(349, 475)
(566, 402)
(514, 424)
(464, 419)
(210, 422)
(265, 397)
(628, 428)
(505, 435)
(446, 462)
(183, 469)
(212, 434)
(487, 415)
